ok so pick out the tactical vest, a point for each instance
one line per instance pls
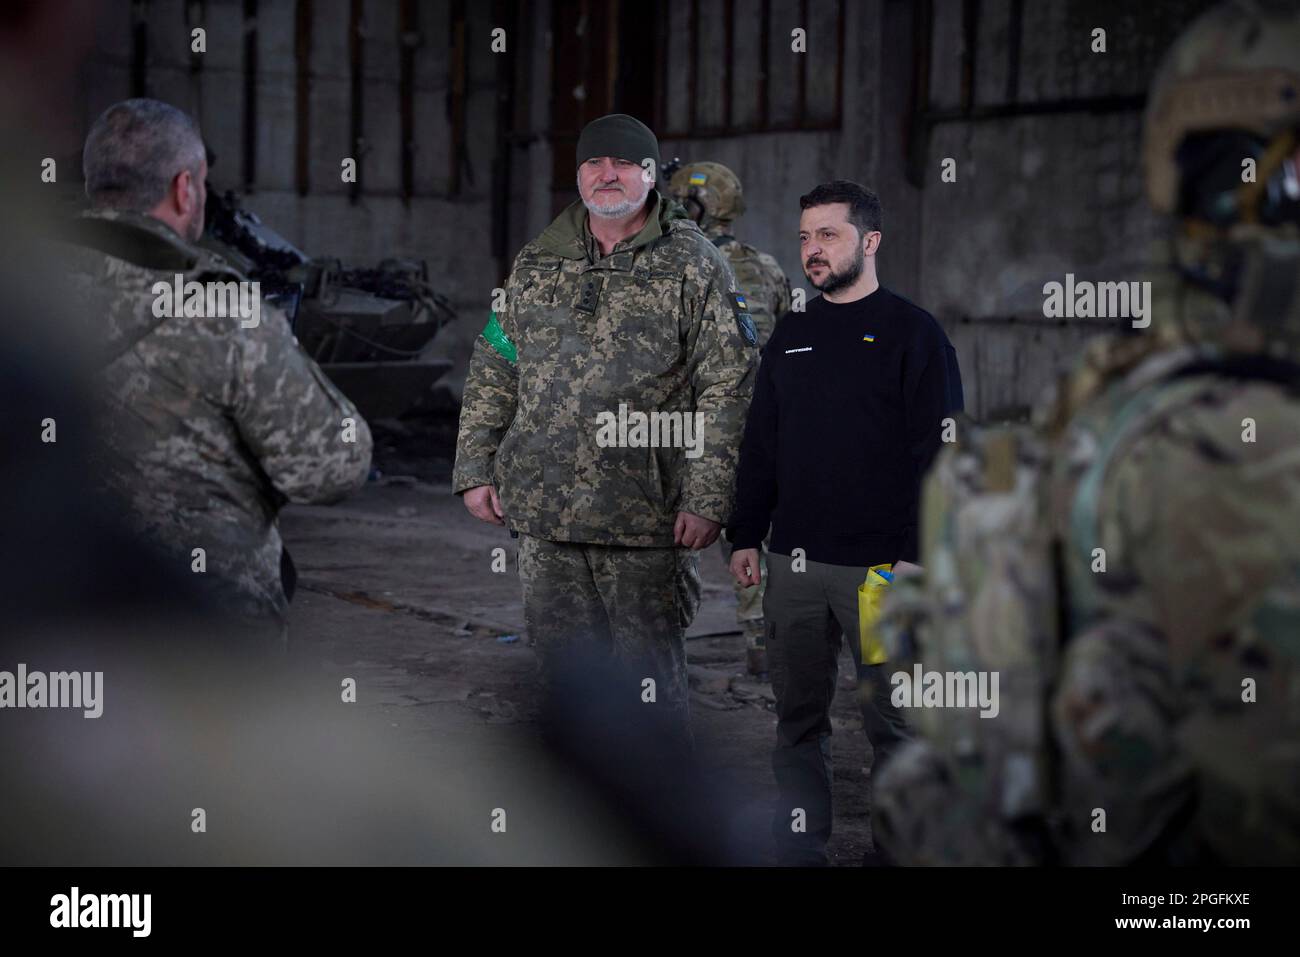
(1014, 584)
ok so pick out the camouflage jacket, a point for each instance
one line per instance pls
(654, 328)
(209, 426)
(758, 276)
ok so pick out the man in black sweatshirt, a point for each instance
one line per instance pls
(847, 415)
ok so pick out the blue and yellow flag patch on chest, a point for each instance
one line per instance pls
(868, 338)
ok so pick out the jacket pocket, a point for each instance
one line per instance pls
(617, 475)
(536, 281)
(646, 341)
(518, 473)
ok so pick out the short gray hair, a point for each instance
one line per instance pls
(134, 151)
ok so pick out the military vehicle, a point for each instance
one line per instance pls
(370, 330)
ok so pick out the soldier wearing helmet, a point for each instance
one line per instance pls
(1129, 567)
(713, 198)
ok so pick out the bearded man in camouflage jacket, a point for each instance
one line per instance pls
(602, 416)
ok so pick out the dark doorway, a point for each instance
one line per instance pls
(603, 61)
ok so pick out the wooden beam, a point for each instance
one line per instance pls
(970, 31)
(505, 15)
(302, 96)
(729, 61)
(692, 74)
(764, 61)
(408, 39)
(917, 138)
(356, 60)
(801, 82)
(195, 16)
(661, 68)
(839, 67)
(139, 48)
(456, 94)
(1014, 27)
(250, 95)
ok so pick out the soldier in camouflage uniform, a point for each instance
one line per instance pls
(712, 195)
(621, 304)
(1130, 567)
(211, 423)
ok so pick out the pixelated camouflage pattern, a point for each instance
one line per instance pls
(653, 326)
(208, 427)
(632, 603)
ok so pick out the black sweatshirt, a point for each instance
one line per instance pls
(846, 418)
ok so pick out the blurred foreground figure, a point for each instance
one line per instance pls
(214, 417)
(189, 718)
(1129, 570)
(200, 748)
(627, 754)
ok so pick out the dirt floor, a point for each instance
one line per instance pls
(396, 585)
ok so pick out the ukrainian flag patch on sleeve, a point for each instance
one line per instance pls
(744, 321)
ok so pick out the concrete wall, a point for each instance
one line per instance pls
(776, 168)
(1036, 195)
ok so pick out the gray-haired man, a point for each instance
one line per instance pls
(211, 421)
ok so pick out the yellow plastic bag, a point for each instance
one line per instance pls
(870, 594)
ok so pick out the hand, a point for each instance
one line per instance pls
(695, 531)
(484, 505)
(745, 567)
(906, 569)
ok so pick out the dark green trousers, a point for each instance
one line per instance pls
(808, 614)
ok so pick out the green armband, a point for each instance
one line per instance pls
(498, 340)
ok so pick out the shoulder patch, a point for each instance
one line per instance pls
(744, 321)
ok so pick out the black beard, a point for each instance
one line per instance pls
(835, 281)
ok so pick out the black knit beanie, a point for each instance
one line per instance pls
(618, 135)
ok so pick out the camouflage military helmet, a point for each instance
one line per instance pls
(714, 187)
(1235, 68)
